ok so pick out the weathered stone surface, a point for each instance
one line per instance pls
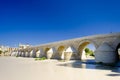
(38, 54)
(23, 54)
(112, 40)
(27, 54)
(51, 53)
(70, 53)
(105, 54)
(33, 53)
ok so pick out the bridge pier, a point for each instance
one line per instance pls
(38, 54)
(51, 53)
(19, 53)
(105, 54)
(33, 53)
(23, 54)
(70, 53)
(106, 47)
(26, 54)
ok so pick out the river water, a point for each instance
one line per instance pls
(90, 64)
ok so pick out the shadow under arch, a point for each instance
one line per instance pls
(45, 51)
(82, 46)
(60, 51)
(117, 50)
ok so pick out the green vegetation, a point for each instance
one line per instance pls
(42, 58)
(5, 51)
(17, 56)
(61, 60)
(1, 52)
(89, 52)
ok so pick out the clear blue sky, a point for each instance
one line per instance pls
(42, 21)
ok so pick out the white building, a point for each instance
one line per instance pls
(4, 48)
(23, 46)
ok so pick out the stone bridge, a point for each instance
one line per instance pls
(106, 48)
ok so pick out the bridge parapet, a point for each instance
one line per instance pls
(79, 44)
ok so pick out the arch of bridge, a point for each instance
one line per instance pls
(83, 44)
(112, 39)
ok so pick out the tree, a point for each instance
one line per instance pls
(1, 52)
(89, 52)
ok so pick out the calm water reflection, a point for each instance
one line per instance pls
(90, 64)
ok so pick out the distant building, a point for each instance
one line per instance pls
(4, 50)
(23, 46)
